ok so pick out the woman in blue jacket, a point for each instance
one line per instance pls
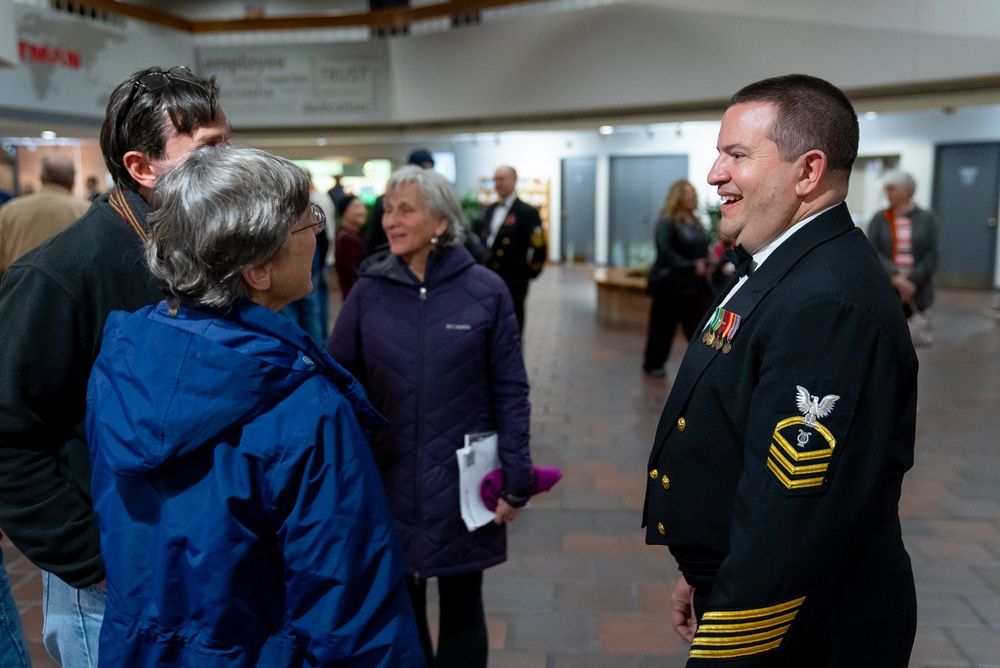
(433, 337)
(242, 520)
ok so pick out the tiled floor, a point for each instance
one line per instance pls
(581, 590)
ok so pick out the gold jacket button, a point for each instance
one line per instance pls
(506, 241)
(500, 253)
(663, 531)
(654, 474)
(666, 481)
(681, 424)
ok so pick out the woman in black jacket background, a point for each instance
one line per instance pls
(678, 280)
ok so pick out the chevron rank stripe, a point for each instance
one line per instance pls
(802, 467)
(727, 634)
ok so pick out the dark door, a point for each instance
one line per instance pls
(638, 186)
(579, 185)
(965, 202)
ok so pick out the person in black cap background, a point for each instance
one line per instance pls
(375, 235)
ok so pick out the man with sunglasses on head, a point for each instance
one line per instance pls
(53, 305)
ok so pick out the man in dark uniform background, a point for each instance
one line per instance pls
(511, 231)
(777, 465)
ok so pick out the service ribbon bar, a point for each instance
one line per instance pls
(721, 330)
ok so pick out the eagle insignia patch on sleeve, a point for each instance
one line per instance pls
(802, 447)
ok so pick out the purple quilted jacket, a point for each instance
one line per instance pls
(440, 360)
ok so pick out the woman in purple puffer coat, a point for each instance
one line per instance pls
(433, 337)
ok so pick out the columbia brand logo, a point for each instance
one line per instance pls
(453, 325)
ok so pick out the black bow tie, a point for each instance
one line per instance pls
(742, 260)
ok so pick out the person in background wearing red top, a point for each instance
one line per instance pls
(348, 246)
(905, 238)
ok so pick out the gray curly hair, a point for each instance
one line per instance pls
(900, 179)
(221, 211)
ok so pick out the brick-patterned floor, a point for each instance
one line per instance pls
(581, 590)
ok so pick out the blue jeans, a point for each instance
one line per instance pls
(13, 649)
(72, 621)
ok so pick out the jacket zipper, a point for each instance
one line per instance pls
(422, 297)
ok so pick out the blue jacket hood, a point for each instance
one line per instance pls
(172, 384)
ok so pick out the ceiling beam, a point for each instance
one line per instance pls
(140, 13)
(945, 95)
(381, 18)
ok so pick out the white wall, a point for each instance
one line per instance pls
(540, 154)
(546, 59)
(108, 53)
(910, 135)
(8, 36)
(913, 135)
(667, 52)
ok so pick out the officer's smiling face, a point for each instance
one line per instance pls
(756, 186)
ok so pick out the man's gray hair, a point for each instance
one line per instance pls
(900, 179)
(439, 197)
(58, 169)
(221, 211)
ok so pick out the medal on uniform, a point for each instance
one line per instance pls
(709, 337)
(721, 330)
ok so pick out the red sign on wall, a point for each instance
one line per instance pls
(36, 53)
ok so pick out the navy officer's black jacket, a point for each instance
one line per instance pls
(776, 470)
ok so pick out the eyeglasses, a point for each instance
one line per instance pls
(157, 80)
(319, 226)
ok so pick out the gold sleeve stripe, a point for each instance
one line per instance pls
(756, 612)
(741, 640)
(747, 626)
(731, 653)
(797, 470)
(755, 631)
(788, 482)
(801, 456)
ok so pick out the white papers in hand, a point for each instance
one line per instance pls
(475, 460)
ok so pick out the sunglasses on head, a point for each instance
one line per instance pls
(158, 80)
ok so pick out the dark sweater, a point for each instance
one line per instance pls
(53, 305)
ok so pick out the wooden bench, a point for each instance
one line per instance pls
(621, 299)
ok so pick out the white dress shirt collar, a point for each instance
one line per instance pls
(761, 255)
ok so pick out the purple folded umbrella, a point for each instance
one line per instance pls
(542, 480)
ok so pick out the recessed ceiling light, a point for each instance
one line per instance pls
(48, 134)
(606, 129)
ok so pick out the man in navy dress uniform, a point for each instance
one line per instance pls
(776, 470)
(511, 231)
